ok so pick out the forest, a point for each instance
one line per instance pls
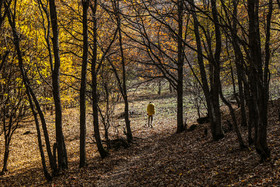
(76, 77)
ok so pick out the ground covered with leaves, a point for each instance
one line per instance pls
(157, 157)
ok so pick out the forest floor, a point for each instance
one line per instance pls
(157, 157)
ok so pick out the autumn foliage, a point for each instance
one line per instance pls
(76, 77)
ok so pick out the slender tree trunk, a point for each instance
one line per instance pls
(103, 153)
(107, 117)
(235, 95)
(83, 86)
(61, 149)
(233, 117)
(259, 75)
(217, 131)
(6, 143)
(251, 114)
(45, 170)
(203, 74)
(242, 102)
(238, 63)
(159, 87)
(5, 160)
(212, 97)
(126, 108)
(31, 93)
(214, 74)
(180, 65)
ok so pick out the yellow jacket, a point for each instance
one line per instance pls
(150, 109)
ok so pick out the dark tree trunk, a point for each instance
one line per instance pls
(238, 62)
(31, 94)
(251, 114)
(61, 149)
(180, 65)
(126, 110)
(233, 117)
(259, 75)
(261, 144)
(5, 160)
(216, 126)
(6, 143)
(242, 102)
(45, 170)
(159, 87)
(233, 85)
(212, 96)
(83, 86)
(103, 153)
(218, 131)
(203, 74)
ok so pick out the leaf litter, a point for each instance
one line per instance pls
(157, 157)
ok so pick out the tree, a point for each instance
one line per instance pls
(161, 54)
(102, 151)
(61, 149)
(117, 12)
(31, 96)
(83, 86)
(259, 74)
(180, 64)
(211, 93)
(231, 32)
(13, 106)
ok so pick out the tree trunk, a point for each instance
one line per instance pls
(217, 131)
(6, 143)
(233, 117)
(200, 60)
(126, 110)
(180, 65)
(251, 113)
(159, 87)
(242, 102)
(238, 62)
(29, 90)
(62, 158)
(261, 144)
(45, 170)
(83, 86)
(259, 75)
(103, 153)
(216, 125)
(5, 161)
(212, 96)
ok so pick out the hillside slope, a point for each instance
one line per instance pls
(159, 157)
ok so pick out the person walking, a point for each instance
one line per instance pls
(150, 113)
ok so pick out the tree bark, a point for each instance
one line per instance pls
(218, 131)
(211, 95)
(61, 149)
(180, 66)
(259, 76)
(233, 117)
(103, 153)
(83, 86)
(6, 143)
(33, 96)
(126, 108)
(45, 170)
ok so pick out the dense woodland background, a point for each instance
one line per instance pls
(76, 77)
